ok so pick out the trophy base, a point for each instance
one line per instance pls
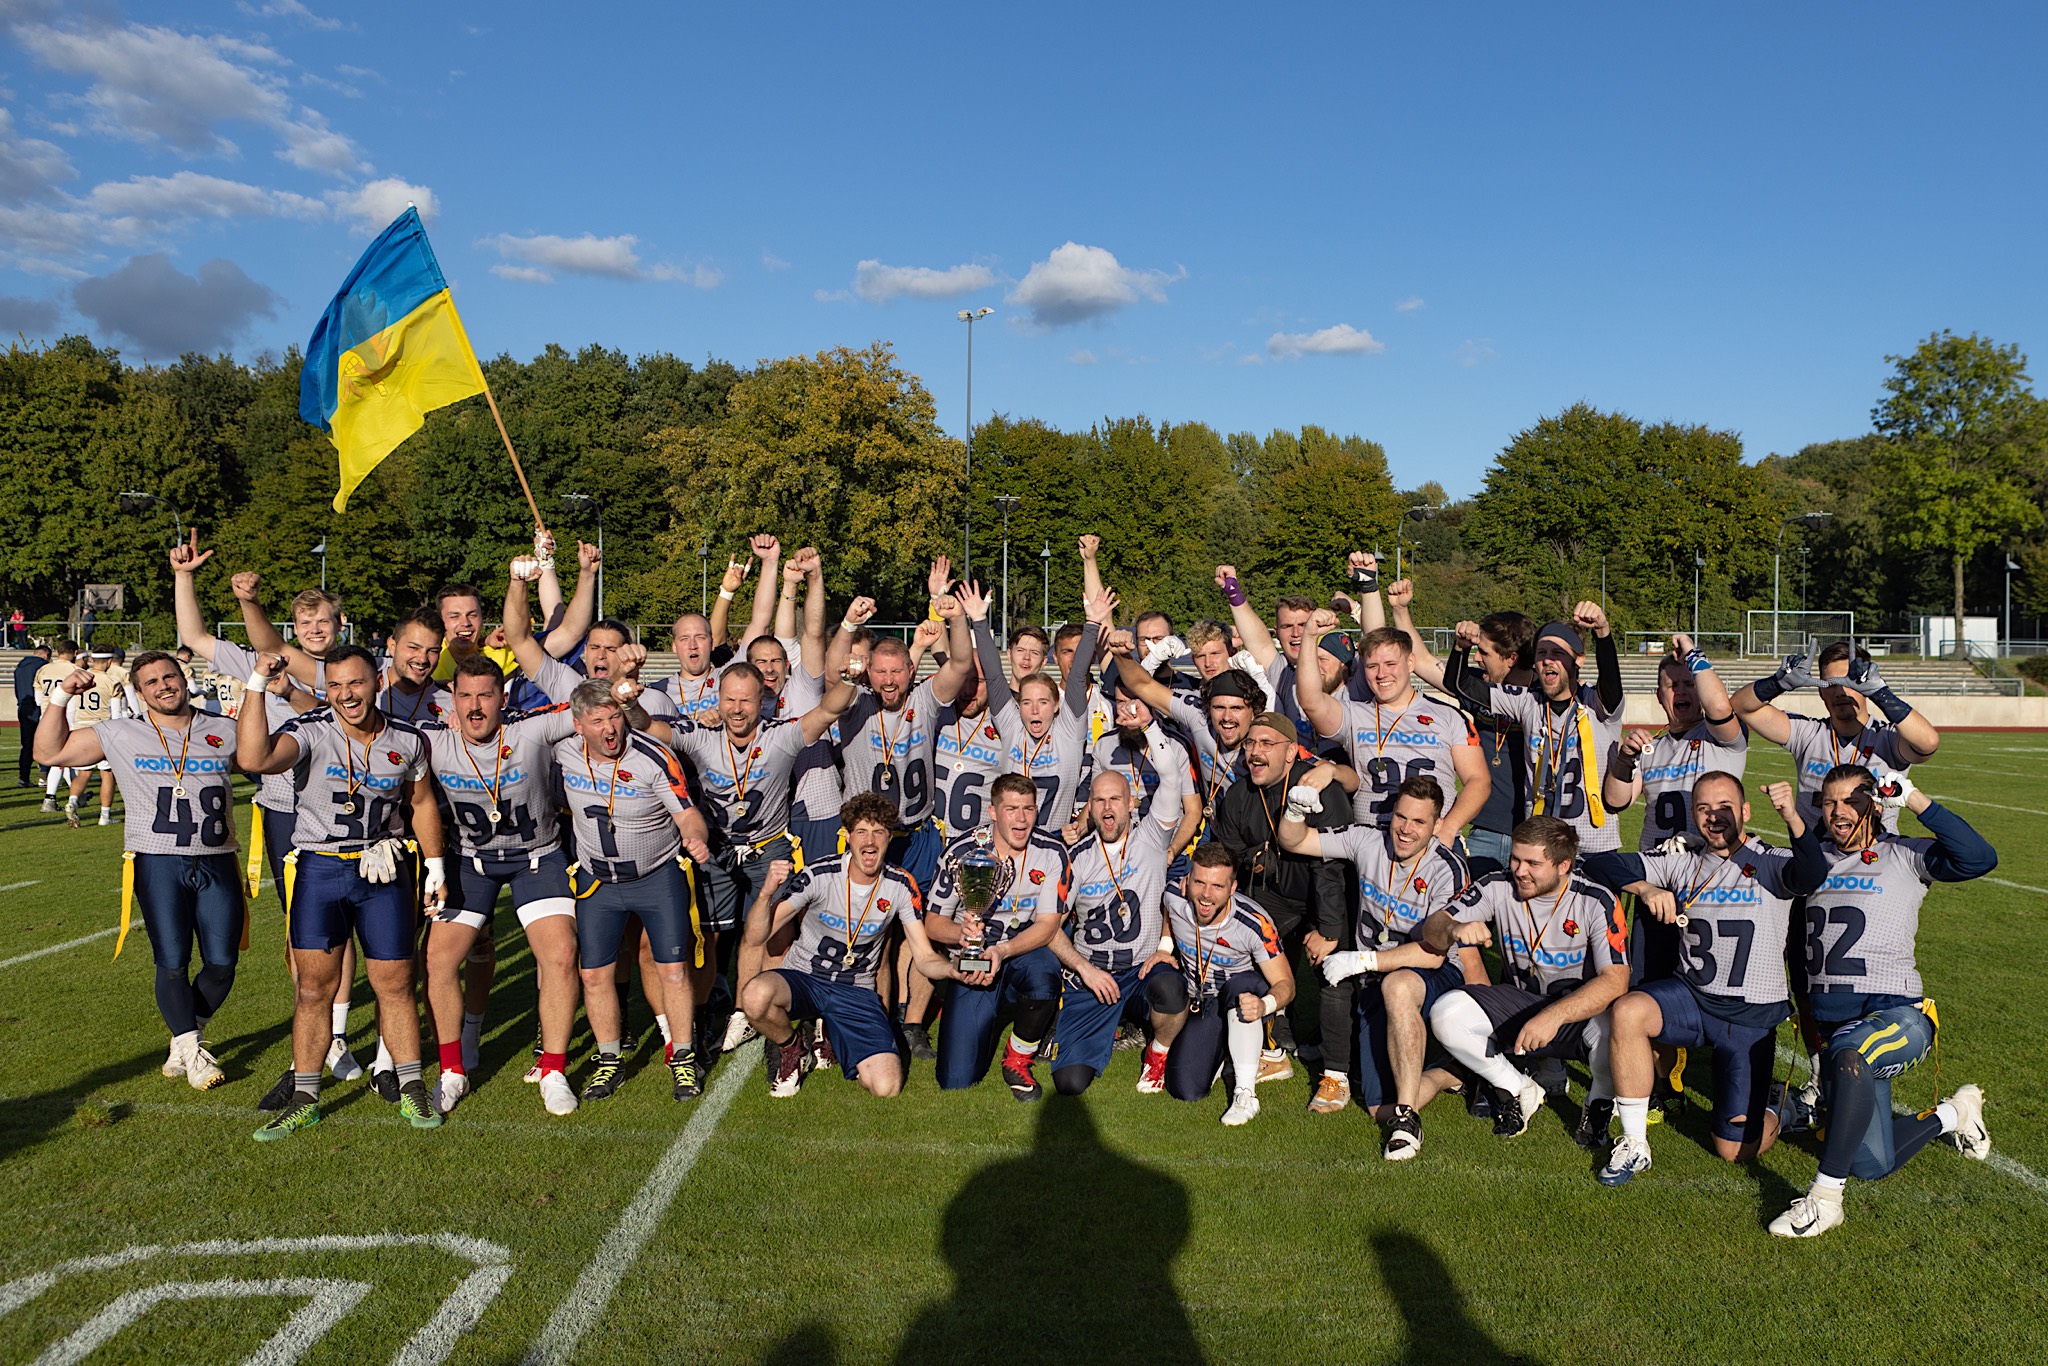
(977, 962)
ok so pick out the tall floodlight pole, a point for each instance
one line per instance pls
(1008, 503)
(970, 316)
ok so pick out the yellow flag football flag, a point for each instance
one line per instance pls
(389, 350)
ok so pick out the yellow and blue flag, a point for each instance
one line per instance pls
(389, 350)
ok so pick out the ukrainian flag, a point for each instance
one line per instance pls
(389, 350)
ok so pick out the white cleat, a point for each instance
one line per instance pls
(202, 1070)
(557, 1094)
(1809, 1217)
(533, 1074)
(1627, 1159)
(341, 1062)
(1244, 1106)
(449, 1091)
(738, 1029)
(1970, 1136)
(174, 1064)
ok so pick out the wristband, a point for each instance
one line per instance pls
(1272, 1006)
(257, 682)
(1165, 944)
(1232, 594)
(1894, 707)
(1370, 958)
(1767, 688)
(1366, 580)
(438, 864)
(849, 626)
(725, 595)
(1697, 661)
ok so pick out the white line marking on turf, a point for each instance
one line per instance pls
(17, 886)
(59, 948)
(1998, 1161)
(2019, 885)
(579, 1312)
(331, 1299)
(1989, 806)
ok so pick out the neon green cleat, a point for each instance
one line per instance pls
(301, 1112)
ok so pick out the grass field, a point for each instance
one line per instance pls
(965, 1227)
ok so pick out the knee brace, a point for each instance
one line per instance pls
(1166, 993)
(1072, 1080)
(1033, 1019)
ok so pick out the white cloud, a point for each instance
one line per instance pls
(374, 205)
(1082, 357)
(165, 312)
(1476, 352)
(525, 274)
(833, 296)
(288, 9)
(163, 88)
(29, 167)
(133, 208)
(613, 258)
(1077, 283)
(1411, 304)
(1341, 340)
(878, 283)
(770, 261)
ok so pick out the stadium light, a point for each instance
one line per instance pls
(132, 501)
(704, 579)
(1045, 556)
(1008, 503)
(1811, 521)
(970, 316)
(1421, 512)
(321, 551)
(588, 505)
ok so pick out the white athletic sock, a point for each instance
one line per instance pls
(1247, 1041)
(341, 1019)
(186, 1043)
(1827, 1187)
(1949, 1118)
(383, 1061)
(1025, 1047)
(1463, 1029)
(1335, 1075)
(662, 1022)
(1634, 1114)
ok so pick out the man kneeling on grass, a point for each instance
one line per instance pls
(847, 903)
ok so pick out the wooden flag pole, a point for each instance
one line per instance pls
(538, 524)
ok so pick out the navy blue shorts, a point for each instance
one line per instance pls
(331, 900)
(1203, 1042)
(728, 884)
(188, 896)
(967, 1031)
(1508, 1008)
(538, 888)
(1743, 1055)
(1084, 1033)
(661, 900)
(916, 852)
(1374, 1083)
(1653, 949)
(857, 1024)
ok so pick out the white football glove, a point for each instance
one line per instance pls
(380, 861)
(1304, 801)
(1893, 789)
(1350, 963)
(525, 568)
(1687, 843)
(435, 888)
(1168, 648)
(543, 550)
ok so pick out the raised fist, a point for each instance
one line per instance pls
(243, 585)
(764, 547)
(1400, 592)
(1590, 616)
(525, 568)
(78, 681)
(588, 555)
(779, 872)
(927, 634)
(624, 690)
(1468, 633)
(859, 611)
(628, 659)
(1090, 545)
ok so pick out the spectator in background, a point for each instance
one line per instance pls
(27, 709)
(17, 629)
(88, 622)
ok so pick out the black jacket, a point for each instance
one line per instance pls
(1291, 886)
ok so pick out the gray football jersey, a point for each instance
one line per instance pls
(1737, 913)
(431, 705)
(1387, 748)
(1210, 955)
(845, 925)
(557, 680)
(350, 795)
(1560, 776)
(1669, 768)
(1143, 769)
(1861, 924)
(1552, 945)
(274, 791)
(624, 812)
(1395, 895)
(1040, 886)
(1117, 889)
(1219, 767)
(968, 755)
(1054, 762)
(746, 790)
(1815, 748)
(513, 774)
(695, 699)
(152, 768)
(891, 752)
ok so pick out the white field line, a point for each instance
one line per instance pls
(330, 1300)
(585, 1304)
(1998, 1161)
(1988, 806)
(17, 886)
(58, 948)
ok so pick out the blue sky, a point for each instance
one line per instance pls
(1426, 224)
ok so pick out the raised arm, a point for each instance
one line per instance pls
(1468, 683)
(761, 620)
(1365, 583)
(185, 562)
(953, 674)
(1622, 785)
(1258, 641)
(721, 610)
(1091, 571)
(974, 606)
(1715, 705)
(1591, 616)
(1914, 734)
(1425, 665)
(1136, 681)
(55, 744)
(518, 626)
(1753, 704)
(811, 645)
(565, 635)
(830, 708)
(841, 649)
(1323, 710)
(1101, 608)
(257, 751)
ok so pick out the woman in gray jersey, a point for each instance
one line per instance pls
(173, 765)
(1044, 727)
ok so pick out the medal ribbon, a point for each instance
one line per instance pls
(184, 750)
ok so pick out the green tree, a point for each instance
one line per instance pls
(1333, 496)
(1963, 425)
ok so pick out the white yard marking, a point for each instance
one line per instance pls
(64, 947)
(330, 1299)
(577, 1314)
(427, 1347)
(1988, 806)
(17, 886)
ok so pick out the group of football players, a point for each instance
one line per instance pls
(1053, 845)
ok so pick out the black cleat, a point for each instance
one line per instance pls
(278, 1096)
(683, 1067)
(919, 1037)
(385, 1083)
(1404, 1135)
(604, 1077)
(1595, 1118)
(1017, 1073)
(1479, 1100)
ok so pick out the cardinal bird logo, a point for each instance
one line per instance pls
(504, 751)
(757, 753)
(1749, 870)
(1421, 886)
(1425, 719)
(214, 740)
(433, 709)
(910, 713)
(1037, 876)
(624, 776)
(883, 905)
(1571, 927)
(394, 756)
(990, 732)
(1692, 744)
(1870, 855)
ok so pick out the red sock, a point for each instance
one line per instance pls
(451, 1056)
(553, 1062)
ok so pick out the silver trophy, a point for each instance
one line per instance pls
(984, 878)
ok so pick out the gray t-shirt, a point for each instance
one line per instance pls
(1815, 748)
(174, 783)
(1862, 923)
(1116, 897)
(968, 756)
(845, 924)
(513, 774)
(1210, 955)
(1039, 888)
(623, 811)
(746, 789)
(273, 790)
(1395, 895)
(1143, 769)
(350, 795)
(1561, 773)
(1387, 747)
(1737, 911)
(1556, 943)
(891, 752)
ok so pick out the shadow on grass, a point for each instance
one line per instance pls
(1432, 1307)
(1064, 1254)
